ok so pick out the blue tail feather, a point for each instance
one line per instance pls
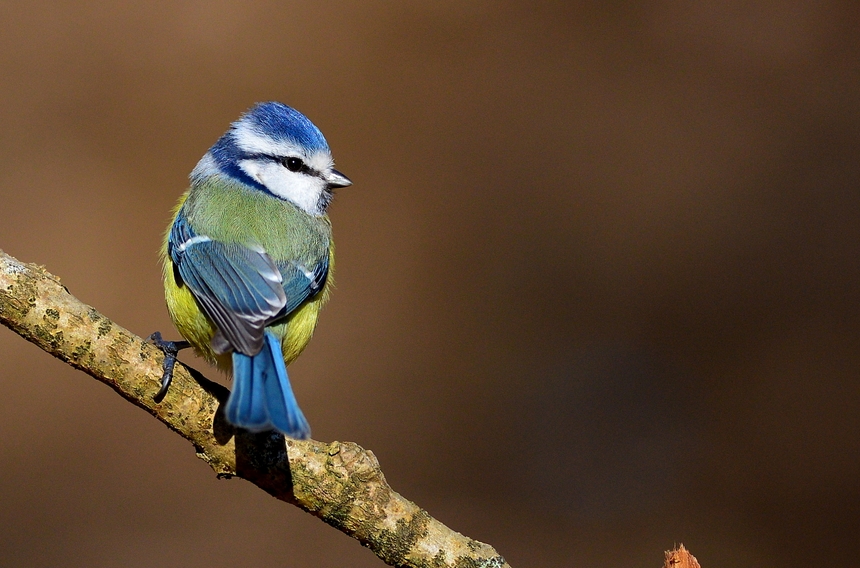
(262, 398)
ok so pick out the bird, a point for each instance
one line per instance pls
(248, 261)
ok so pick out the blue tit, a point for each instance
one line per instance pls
(248, 260)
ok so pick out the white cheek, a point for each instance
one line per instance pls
(300, 189)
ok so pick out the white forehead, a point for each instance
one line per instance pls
(252, 141)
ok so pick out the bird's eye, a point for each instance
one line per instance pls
(293, 164)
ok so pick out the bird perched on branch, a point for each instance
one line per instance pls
(248, 261)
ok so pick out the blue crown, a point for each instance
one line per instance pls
(280, 122)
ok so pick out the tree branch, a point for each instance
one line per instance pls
(680, 557)
(341, 483)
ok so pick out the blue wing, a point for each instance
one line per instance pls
(239, 288)
(301, 282)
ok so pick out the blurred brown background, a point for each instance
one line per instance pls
(597, 279)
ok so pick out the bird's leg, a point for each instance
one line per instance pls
(170, 349)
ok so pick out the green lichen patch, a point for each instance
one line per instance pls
(340, 512)
(394, 546)
(46, 337)
(440, 560)
(81, 351)
(15, 299)
(104, 327)
(467, 562)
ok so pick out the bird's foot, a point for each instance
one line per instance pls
(170, 350)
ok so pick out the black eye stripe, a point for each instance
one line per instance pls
(297, 165)
(292, 163)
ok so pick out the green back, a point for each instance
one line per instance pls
(233, 213)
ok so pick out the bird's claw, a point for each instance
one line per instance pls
(170, 350)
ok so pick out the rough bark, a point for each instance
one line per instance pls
(680, 558)
(341, 483)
